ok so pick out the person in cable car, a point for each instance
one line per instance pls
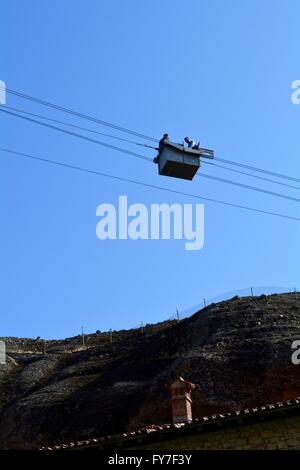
(165, 138)
(191, 143)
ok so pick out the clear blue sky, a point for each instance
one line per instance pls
(220, 71)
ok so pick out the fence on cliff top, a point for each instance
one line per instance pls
(86, 341)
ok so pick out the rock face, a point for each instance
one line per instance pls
(237, 352)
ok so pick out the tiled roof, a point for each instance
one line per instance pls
(200, 424)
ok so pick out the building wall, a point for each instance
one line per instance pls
(282, 433)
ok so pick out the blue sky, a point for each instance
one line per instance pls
(219, 71)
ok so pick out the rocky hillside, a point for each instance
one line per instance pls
(237, 352)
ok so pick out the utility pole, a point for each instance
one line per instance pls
(204, 302)
(82, 334)
(177, 314)
(110, 335)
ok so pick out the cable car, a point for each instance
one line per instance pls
(179, 161)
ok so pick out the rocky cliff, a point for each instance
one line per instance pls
(237, 352)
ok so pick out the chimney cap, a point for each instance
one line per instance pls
(180, 381)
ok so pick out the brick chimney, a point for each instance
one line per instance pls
(181, 400)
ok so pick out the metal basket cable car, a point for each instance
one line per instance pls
(178, 161)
